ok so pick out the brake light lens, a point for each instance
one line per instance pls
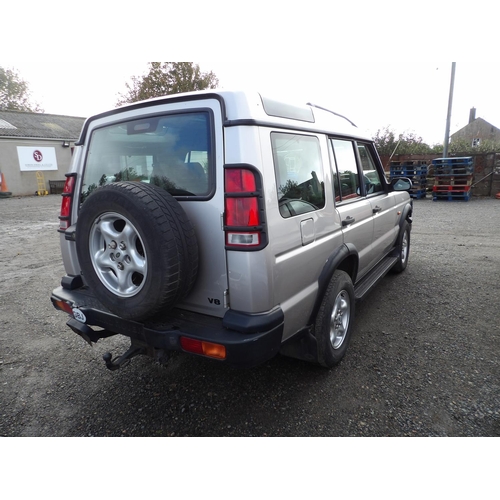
(240, 180)
(63, 306)
(243, 221)
(67, 202)
(209, 349)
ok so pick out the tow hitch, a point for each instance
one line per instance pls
(124, 359)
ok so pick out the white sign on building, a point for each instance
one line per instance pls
(35, 158)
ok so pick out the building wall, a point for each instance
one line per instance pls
(22, 183)
(478, 129)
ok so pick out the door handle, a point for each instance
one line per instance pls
(377, 209)
(348, 221)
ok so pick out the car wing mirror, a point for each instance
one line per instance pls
(401, 184)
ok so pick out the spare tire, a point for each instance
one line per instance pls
(137, 249)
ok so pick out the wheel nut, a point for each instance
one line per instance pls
(122, 246)
(112, 245)
(120, 266)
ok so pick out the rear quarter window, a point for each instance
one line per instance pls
(299, 173)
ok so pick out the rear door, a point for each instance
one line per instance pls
(382, 202)
(303, 227)
(354, 208)
(179, 147)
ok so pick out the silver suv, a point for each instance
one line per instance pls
(226, 225)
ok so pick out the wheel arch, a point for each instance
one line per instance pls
(345, 259)
(407, 215)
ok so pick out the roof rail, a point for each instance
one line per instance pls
(333, 113)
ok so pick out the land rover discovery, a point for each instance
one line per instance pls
(226, 225)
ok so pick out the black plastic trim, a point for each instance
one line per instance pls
(72, 282)
(253, 323)
(407, 214)
(249, 339)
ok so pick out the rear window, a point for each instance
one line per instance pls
(171, 151)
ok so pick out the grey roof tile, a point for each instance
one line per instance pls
(40, 125)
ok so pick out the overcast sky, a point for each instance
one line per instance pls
(328, 53)
(410, 97)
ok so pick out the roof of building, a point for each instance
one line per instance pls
(474, 124)
(40, 125)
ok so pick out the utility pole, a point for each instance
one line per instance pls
(448, 118)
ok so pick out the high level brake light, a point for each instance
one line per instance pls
(67, 202)
(243, 215)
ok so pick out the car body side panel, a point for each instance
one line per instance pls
(359, 234)
(385, 225)
(298, 258)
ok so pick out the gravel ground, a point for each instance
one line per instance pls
(423, 360)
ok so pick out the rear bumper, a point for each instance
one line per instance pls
(249, 339)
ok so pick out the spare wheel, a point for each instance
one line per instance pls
(137, 249)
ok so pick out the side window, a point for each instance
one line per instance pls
(347, 184)
(299, 173)
(371, 176)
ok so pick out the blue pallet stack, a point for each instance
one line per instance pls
(453, 178)
(416, 171)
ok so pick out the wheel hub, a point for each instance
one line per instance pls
(340, 319)
(122, 272)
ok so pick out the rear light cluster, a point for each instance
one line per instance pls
(67, 202)
(244, 224)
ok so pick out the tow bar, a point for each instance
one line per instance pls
(124, 359)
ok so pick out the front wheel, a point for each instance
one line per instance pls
(402, 248)
(333, 325)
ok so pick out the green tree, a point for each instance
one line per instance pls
(387, 143)
(165, 78)
(14, 93)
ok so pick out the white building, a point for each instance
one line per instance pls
(36, 142)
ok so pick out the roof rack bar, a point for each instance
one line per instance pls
(333, 112)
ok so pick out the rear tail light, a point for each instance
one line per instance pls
(244, 224)
(67, 202)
